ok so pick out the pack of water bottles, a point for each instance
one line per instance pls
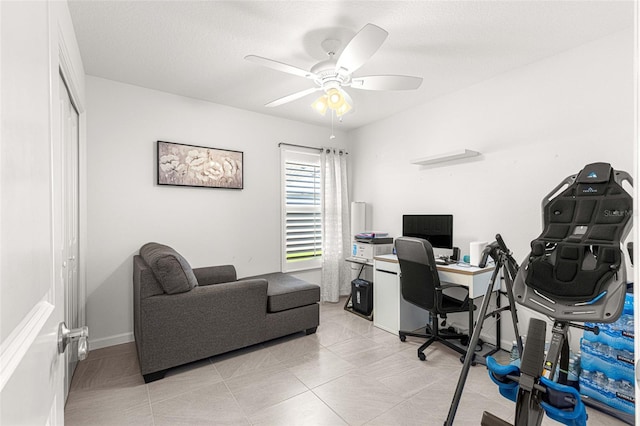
(618, 394)
(619, 334)
(607, 370)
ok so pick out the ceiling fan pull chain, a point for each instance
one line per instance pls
(332, 135)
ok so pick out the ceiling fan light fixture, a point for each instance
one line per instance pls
(321, 104)
(335, 99)
(345, 108)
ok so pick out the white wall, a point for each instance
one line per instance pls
(126, 208)
(534, 126)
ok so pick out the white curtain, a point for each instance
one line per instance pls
(336, 274)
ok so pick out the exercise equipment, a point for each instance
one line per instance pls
(575, 272)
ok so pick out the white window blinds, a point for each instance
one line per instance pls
(302, 223)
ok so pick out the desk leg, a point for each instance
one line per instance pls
(346, 304)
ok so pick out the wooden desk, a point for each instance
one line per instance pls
(393, 313)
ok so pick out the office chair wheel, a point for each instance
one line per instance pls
(464, 341)
(422, 356)
(402, 337)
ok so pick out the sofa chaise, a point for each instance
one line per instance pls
(183, 314)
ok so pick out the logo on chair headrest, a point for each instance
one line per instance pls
(590, 189)
(617, 213)
(592, 175)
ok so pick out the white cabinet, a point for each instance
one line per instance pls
(391, 311)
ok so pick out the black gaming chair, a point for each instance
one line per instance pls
(420, 285)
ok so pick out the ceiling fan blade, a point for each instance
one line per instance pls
(361, 47)
(386, 82)
(289, 69)
(292, 97)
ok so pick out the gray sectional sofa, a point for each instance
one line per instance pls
(183, 314)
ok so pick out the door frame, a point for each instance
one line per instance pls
(65, 77)
(75, 87)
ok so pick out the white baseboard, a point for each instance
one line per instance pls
(104, 342)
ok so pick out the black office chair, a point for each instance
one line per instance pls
(420, 285)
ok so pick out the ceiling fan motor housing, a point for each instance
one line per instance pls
(329, 76)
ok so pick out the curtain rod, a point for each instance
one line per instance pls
(304, 146)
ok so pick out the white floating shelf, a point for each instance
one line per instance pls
(448, 156)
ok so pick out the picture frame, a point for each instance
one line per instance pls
(199, 166)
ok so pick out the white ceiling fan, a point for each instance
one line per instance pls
(334, 74)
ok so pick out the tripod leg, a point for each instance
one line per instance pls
(510, 271)
(471, 350)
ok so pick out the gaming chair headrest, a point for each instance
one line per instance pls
(593, 209)
(576, 261)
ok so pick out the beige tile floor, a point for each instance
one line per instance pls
(348, 373)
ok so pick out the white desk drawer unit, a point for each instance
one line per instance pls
(393, 313)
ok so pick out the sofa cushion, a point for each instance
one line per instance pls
(287, 292)
(172, 271)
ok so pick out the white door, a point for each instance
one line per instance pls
(31, 226)
(69, 136)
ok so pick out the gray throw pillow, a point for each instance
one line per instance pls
(172, 271)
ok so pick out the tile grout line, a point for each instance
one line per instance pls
(244, 413)
(328, 406)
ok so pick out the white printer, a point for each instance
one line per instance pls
(368, 250)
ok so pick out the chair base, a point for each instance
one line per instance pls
(435, 337)
(444, 339)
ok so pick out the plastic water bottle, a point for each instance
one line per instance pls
(629, 324)
(573, 373)
(612, 388)
(515, 354)
(586, 377)
(600, 380)
(587, 344)
(626, 388)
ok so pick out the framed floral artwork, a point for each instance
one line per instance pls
(190, 165)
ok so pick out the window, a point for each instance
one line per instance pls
(301, 217)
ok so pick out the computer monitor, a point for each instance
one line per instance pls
(435, 228)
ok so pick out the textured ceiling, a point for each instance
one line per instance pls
(196, 48)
